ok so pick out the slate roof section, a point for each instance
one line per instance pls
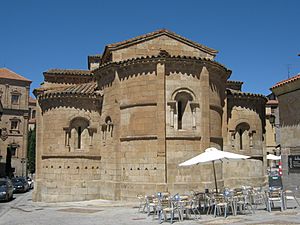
(8, 74)
(281, 83)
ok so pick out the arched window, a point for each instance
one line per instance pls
(242, 140)
(79, 135)
(184, 110)
(107, 128)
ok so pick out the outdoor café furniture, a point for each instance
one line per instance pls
(188, 206)
(168, 206)
(258, 197)
(151, 203)
(220, 205)
(142, 203)
(273, 196)
(243, 201)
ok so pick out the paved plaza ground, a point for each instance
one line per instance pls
(22, 211)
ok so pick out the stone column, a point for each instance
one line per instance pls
(172, 105)
(172, 117)
(194, 111)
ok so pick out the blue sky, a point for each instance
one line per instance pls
(258, 40)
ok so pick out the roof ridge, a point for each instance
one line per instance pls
(9, 74)
(289, 80)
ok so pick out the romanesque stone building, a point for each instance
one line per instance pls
(14, 95)
(145, 105)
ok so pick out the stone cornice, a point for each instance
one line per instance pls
(161, 58)
(177, 137)
(59, 156)
(142, 104)
(138, 138)
(244, 95)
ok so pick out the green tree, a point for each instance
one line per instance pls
(31, 151)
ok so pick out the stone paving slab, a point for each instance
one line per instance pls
(103, 212)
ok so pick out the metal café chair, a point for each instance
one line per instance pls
(168, 205)
(273, 196)
(142, 203)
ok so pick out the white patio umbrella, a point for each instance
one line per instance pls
(212, 155)
(273, 157)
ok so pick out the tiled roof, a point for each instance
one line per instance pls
(68, 72)
(292, 79)
(8, 74)
(159, 33)
(86, 89)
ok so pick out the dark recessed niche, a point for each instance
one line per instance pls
(51, 166)
(59, 167)
(92, 167)
(68, 167)
(97, 167)
(154, 168)
(85, 167)
(130, 168)
(138, 168)
(146, 168)
(77, 167)
(46, 166)
(123, 168)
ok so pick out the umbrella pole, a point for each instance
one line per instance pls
(215, 176)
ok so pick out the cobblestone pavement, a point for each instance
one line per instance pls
(22, 211)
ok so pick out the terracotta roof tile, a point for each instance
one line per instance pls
(86, 89)
(292, 79)
(8, 74)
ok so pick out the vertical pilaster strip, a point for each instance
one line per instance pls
(38, 158)
(205, 115)
(161, 117)
(117, 145)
